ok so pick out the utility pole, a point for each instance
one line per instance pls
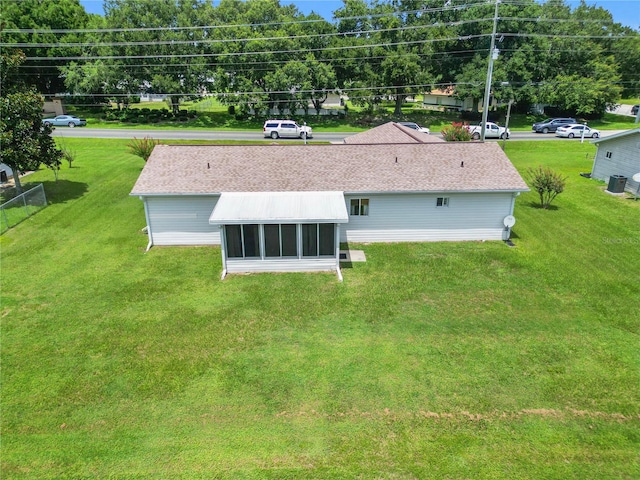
(493, 55)
(506, 126)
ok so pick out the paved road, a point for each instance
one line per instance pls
(231, 135)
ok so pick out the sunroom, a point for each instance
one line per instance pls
(280, 231)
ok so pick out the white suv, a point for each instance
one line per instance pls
(285, 129)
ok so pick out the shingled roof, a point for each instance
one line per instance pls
(391, 132)
(438, 167)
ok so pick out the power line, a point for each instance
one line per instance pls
(258, 52)
(237, 40)
(242, 25)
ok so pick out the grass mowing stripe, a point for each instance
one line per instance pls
(430, 360)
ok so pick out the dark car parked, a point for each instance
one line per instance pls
(634, 109)
(552, 124)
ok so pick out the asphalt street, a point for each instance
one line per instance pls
(180, 134)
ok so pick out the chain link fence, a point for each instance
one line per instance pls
(22, 207)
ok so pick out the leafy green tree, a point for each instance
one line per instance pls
(547, 183)
(322, 80)
(43, 16)
(585, 95)
(287, 86)
(26, 143)
(402, 72)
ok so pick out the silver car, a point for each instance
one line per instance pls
(65, 121)
(577, 130)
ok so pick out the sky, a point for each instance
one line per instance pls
(626, 12)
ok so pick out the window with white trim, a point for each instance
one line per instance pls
(359, 207)
(442, 202)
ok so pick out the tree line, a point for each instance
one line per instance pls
(260, 54)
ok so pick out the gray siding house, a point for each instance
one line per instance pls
(288, 207)
(618, 154)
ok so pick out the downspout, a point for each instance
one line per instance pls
(146, 216)
(511, 210)
(337, 240)
(223, 252)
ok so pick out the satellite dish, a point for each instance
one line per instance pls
(509, 221)
(636, 177)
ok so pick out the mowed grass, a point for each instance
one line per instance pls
(434, 360)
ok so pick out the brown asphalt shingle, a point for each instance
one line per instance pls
(436, 167)
(391, 132)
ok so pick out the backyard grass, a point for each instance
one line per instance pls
(431, 360)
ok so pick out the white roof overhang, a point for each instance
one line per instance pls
(235, 208)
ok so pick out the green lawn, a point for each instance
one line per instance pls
(435, 360)
(211, 115)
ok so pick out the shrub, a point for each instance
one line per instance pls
(231, 109)
(456, 132)
(68, 154)
(547, 183)
(142, 147)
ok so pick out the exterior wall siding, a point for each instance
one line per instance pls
(625, 160)
(182, 220)
(281, 265)
(415, 217)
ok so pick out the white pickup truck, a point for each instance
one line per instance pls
(492, 130)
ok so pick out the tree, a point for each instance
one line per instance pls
(26, 142)
(322, 79)
(585, 95)
(547, 183)
(42, 17)
(402, 72)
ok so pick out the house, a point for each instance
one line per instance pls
(288, 207)
(444, 99)
(618, 154)
(390, 132)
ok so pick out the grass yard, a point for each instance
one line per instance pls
(436, 360)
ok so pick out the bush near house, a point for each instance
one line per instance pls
(456, 132)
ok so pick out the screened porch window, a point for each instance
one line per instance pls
(280, 240)
(242, 241)
(310, 240)
(327, 238)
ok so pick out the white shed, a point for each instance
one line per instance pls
(288, 207)
(618, 154)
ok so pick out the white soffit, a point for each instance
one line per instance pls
(279, 207)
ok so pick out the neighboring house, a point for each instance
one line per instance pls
(5, 173)
(444, 99)
(288, 207)
(53, 107)
(152, 97)
(618, 154)
(391, 132)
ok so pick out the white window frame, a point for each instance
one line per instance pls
(362, 210)
(442, 202)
